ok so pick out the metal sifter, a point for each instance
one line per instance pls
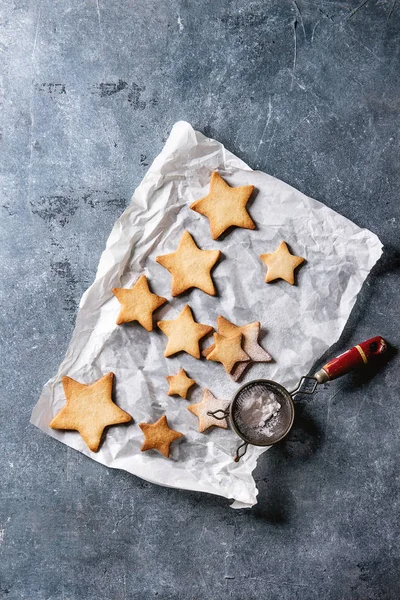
(278, 425)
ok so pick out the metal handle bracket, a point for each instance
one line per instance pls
(225, 414)
(307, 390)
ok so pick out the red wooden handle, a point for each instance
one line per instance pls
(353, 358)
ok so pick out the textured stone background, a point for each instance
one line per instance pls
(307, 90)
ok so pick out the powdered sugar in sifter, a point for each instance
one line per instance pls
(262, 411)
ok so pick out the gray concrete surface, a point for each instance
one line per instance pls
(306, 90)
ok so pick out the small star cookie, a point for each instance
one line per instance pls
(89, 409)
(281, 264)
(184, 333)
(209, 403)
(250, 344)
(138, 303)
(228, 351)
(225, 206)
(179, 384)
(189, 266)
(158, 436)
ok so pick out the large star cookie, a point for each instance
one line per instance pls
(184, 333)
(228, 351)
(189, 266)
(159, 436)
(281, 264)
(179, 384)
(249, 343)
(89, 409)
(209, 403)
(138, 303)
(225, 206)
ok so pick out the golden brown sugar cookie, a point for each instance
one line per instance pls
(158, 436)
(250, 344)
(209, 403)
(228, 351)
(89, 409)
(225, 206)
(189, 266)
(179, 384)
(138, 303)
(281, 264)
(184, 333)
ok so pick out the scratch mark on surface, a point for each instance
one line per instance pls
(355, 416)
(301, 86)
(308, 90)
(2, 531)
(236, 138)
(353, 12)
(180, 23)
(228, 556)
(124, 582)
(68, 474)
(36, 32)
(203, 580)
(270, 143)
(359, 408)
(31, 125)
(203, 529)
(98, 13)
(325, 14)
(391, 10)
(313, 31)
(363, 401)
(300, 17)
(142, 529)
(266, 125)
(110, 142)
(329, 404)
(100, 31)
(363, 45)
(294, 52)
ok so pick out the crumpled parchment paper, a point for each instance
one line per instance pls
(298, 322)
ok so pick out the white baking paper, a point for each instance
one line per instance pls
(298, 322)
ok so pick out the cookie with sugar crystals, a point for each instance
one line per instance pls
(228, 351)
(179, 384)
(281, 264)
(209, 404)
(159, 436)
(250, 344)
(138, 303)
(225, 206)
(184, 333)
(89, 409)
(190, 266)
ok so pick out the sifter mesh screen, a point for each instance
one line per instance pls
(276, 427)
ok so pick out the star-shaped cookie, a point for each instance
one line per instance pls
(189, 266)
(209, 403)
(184, 333)
(281, 264)
(179, 384)
(228, 351)
(89, 409)
(249, 343)
(158, 436)
(225, 206)
(138, 303)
